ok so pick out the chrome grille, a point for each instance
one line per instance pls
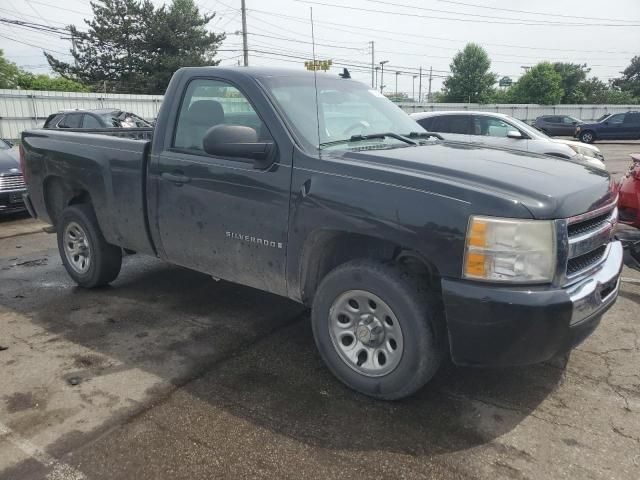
(583, 262)
(12, 182)
(587, 241)
(588, 225)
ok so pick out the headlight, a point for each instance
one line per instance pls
(587, 152)
(510, 250)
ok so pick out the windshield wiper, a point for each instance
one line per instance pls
(370, 136)
(425, 135)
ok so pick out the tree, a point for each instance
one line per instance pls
(572, 75)
(179, 38)
(630, 80)
(470, 79)
(130, 46)
(541, 84)
(31, 81)
(12, 76)
(594, 90)
(9, 72)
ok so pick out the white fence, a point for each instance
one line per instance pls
(24, 109)
(525, 112)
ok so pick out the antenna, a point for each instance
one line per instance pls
(315, 79)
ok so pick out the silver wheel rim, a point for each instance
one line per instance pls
(77, 248)
(366, 333)
(587, 137)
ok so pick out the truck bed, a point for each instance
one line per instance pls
(109, 163)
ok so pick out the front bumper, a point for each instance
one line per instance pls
(11, 201)
(496, 325)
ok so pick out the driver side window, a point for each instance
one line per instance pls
(616, 119)
(208, 103)
(491, 127)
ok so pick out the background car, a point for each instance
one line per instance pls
(12, 184)
(499, 130)
(557, 124)
(97, 118)
(619, 126)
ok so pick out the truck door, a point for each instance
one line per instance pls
(631, 125)
(221, 215)
(612, 127)
(453, 127)
(494, 131)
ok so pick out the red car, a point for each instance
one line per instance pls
(629, 189)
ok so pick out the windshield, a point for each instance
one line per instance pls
(119, 119)
(529, 130)
(348, 113)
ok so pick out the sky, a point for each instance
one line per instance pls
(409, 34)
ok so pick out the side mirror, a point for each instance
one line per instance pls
(574, 123)
(514, 134)
(239, 142)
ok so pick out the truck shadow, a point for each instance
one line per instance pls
(252, 354)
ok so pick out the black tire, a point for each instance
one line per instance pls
(587, 136)
(105, 259)
(417, 312)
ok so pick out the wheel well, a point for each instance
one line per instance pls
(592, 132)
(329, 249)
(60, 193)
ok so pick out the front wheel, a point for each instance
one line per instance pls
(587, 137)
(377, 329)
(86, 255)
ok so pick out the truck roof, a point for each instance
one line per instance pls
(259, 71)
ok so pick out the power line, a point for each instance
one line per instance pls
(432, 17)
(405, 34)
(453, 2)
(544, 22)
(36, 46)
(58, 7)
(308, 43)
(423, 55)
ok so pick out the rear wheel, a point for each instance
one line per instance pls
(377, 329)
(86, 255)
(587, 136)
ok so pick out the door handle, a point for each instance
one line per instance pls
(176, 178)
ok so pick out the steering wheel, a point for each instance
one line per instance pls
(362, 125)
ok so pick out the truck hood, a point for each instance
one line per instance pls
(548, 187)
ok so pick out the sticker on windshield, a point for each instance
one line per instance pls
(376, 93)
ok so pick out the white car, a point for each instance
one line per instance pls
(499, 130)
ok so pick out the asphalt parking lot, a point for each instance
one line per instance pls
(170, 374)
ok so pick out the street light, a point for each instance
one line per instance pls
(382, 74)
(397, 74)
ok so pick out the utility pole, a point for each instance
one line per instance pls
(376, 85)
(73, 46)
(420, 86)
(397, 75)
(382, 74)
(245, 48)
(413, 89)
(430, 78)
(373, 61)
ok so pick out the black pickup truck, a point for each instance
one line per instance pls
(407, 248)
